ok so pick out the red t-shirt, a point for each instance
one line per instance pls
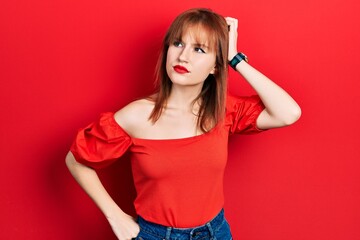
(179, 182)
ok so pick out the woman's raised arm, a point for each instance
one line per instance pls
(280, 108)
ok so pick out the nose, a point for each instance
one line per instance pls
(184, 55)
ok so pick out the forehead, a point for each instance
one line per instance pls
(198, 34)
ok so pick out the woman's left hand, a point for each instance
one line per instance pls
(233, 24)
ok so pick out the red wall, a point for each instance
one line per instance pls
(64, 62)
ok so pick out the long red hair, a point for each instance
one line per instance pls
(213, 93)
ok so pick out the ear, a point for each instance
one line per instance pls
(213, 71)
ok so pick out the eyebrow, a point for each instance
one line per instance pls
(201, 45)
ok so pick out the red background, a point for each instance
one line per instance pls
(64, 62)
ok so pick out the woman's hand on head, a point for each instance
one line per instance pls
(233, 25)
(124, 226)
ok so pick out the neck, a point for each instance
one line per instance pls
(182, 97)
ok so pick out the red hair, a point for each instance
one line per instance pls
(213, 93)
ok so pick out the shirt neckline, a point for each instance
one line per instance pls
(177, 139)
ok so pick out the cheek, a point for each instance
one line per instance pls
(207, 66)
(170, 54)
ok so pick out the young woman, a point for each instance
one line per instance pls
(178, 136)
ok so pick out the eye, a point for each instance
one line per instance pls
(199, 50)
(178, 44)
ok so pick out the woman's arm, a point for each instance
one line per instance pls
(123, 225)
(280, 108)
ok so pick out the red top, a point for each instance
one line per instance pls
(179, 182)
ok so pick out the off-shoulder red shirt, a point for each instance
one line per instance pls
(179, 182)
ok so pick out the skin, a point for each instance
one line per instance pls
(280, 110)
(196, 57)
(200, 61)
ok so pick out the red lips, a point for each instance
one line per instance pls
(180, 69)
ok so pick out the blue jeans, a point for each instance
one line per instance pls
(216, 229)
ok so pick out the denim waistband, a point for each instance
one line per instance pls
(165, 232)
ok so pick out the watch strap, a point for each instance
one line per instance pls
(238, 58)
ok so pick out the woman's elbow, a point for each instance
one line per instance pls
(70, 160)
(293, 116)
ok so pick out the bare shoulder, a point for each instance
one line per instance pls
(135, 116)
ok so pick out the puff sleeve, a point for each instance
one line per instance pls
(101, 142)
(242, 112)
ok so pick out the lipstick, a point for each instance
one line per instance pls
(180, 69)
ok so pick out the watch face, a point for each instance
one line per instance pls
(238, 58)
(243, 56)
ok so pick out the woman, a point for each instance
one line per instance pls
(178, 136)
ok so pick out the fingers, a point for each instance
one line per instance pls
(232, 23)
